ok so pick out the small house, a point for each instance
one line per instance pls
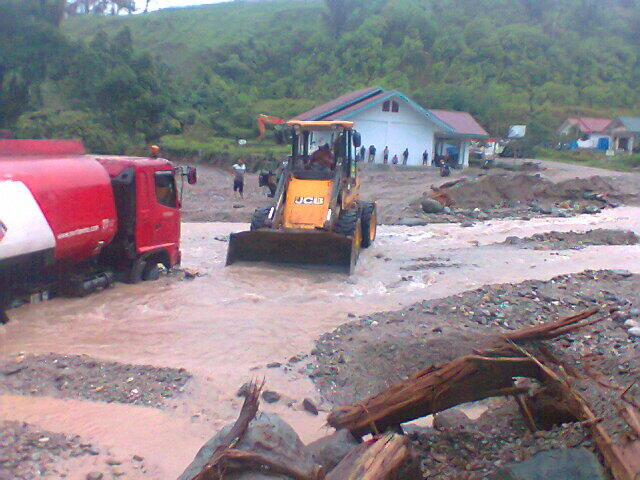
(625, 134)
(587, 132)
(390, 119)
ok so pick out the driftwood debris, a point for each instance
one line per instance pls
(487, 373)
(380, 458)
(491, 372)
(214, 469)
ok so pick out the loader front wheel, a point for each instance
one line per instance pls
(369, 223)
(349, 224)
(259, 218)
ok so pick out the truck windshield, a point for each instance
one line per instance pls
(166, 193)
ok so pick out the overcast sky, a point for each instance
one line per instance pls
(157, 4)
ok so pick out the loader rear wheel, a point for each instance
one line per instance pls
(369, 223)
(259, 218)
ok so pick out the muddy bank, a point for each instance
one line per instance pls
(495, 190)
(80, 376)
(27, 453)
(574, 240)
(395, 190)
(361, 358)
(495, 195)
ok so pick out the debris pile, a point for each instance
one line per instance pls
(262, 446)
(508, 195)
(499, 190)
(362, 358)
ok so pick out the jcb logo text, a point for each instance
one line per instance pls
(309, 201)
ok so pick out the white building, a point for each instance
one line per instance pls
(391, 119)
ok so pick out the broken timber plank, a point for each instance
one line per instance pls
(378, 459)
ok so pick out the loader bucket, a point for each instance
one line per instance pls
(301, 247)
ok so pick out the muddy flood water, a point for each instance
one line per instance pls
(225, 326)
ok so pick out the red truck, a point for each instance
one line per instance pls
(71, 223)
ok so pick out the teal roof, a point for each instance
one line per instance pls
(631, 124)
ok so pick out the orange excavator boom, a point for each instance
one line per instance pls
(263, 120)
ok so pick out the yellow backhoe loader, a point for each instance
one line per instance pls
(317, 216)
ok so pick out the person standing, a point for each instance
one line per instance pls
(386, 155)
(425, 158)
(405, 156)
(239, 169)
(372, 154)
(363, 152)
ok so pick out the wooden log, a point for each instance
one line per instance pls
(632, 417)
(475, 377)
(381, 458)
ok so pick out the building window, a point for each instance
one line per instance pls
(391, 106)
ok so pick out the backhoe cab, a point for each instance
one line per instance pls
(317, 216)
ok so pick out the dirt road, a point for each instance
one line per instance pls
(227, 325)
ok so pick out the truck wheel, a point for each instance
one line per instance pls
(136, 273)
(151, 272)
(259, 218)
(369, 223)
(5, 301)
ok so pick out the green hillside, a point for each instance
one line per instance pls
(506, 61)
(182, 36)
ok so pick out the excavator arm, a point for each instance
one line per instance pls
(263, 120)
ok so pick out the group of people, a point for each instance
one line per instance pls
(323, 158)
(370, 155)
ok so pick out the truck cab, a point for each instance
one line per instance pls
(148, 209)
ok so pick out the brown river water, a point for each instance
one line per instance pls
(225, 326)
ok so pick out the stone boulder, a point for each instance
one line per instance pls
(267, 435)
(329, 451)
(429, 205)
(566, 464)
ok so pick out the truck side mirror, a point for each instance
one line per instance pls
(192, 175)
(357, 139)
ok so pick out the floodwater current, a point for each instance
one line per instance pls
(226, 325)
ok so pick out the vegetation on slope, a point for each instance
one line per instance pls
(506, 61)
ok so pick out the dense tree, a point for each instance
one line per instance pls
(102, 92)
